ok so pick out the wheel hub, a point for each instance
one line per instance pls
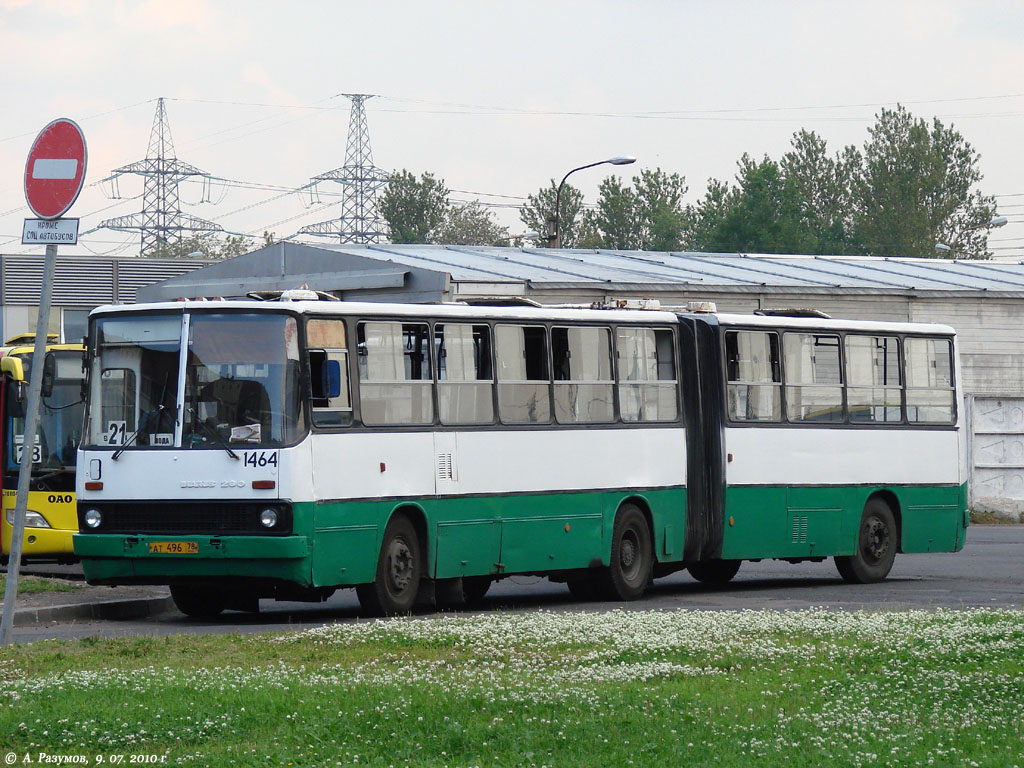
(400, 563)
(876, 539)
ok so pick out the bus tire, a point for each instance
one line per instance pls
(399, 568)
(198, 601)
(629, 569)
(876, 546)
(714, 571)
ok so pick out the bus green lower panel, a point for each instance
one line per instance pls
(818, 521)
(480, 535)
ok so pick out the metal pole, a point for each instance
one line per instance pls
(31, 425)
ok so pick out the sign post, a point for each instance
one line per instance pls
(54, 175)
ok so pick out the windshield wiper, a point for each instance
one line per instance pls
(126, 443)
(210, 430)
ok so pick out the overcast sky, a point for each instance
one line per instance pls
(495, 97)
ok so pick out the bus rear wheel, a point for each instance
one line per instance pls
(632, 559)
(399, 568)
(876, 546)
(714, 571)
(199, 602)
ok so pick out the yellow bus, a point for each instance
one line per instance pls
(51, 518)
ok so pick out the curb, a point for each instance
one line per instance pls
(107, 609)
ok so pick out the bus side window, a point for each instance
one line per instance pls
(464, 379)
(395, 382)
(754, 375)
(929, 366)
(117, 409)
(647, 374)
(523, 381)
(873, 392)
(328, 344)
(583, 375)
(814, 385)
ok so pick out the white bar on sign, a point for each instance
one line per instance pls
(50, 232)
(55, 168)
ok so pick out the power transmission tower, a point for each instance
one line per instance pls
(360, 179)
(161, 220)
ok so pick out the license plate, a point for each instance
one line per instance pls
(174, 547)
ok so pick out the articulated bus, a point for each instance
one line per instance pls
(52, 517)
(283, 449)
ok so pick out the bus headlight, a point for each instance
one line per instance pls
(93, 518)
(268, 517)
(32, 519)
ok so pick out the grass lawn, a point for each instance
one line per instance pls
(645, 688)
(27, 584)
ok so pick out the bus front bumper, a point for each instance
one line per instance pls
(162, 559)
(40, 542)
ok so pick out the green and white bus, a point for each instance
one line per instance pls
(241, 450)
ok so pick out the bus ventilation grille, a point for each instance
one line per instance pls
(800, 530)
(445, 467)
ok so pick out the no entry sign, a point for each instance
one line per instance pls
(55, 169)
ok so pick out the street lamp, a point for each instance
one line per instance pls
(993, 223)
(554, 236)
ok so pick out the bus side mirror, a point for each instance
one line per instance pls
(49, 374)
(331, 385)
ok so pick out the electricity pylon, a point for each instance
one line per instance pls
(161, 220)
(360, 180)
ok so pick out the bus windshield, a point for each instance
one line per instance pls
(60, 423)
(241, 380)
(241, 375)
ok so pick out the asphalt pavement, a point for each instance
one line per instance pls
(989, 573)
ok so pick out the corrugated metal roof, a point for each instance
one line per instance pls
(542, 266)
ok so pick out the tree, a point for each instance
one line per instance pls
(821, 187)
(913, 187)
(616, 217)
(470, 224)
(761, 214)
(649, 216)
(207, 246)
(541, 206)
(660, 213)
(414, 210)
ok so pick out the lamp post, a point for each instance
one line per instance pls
(554, 236)
(994, 223)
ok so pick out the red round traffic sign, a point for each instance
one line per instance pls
(55, 170)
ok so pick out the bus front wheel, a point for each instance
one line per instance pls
(399, 568)
(876, 546)
(631, 562)
(198, 602)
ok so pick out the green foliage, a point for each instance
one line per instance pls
(471, 224)
(541, 206)
(760, 215)
(30, 584)
(418, 211)
(206, 246)
(649, 216)
(913, 187)
(414, 210)
(821, 187)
